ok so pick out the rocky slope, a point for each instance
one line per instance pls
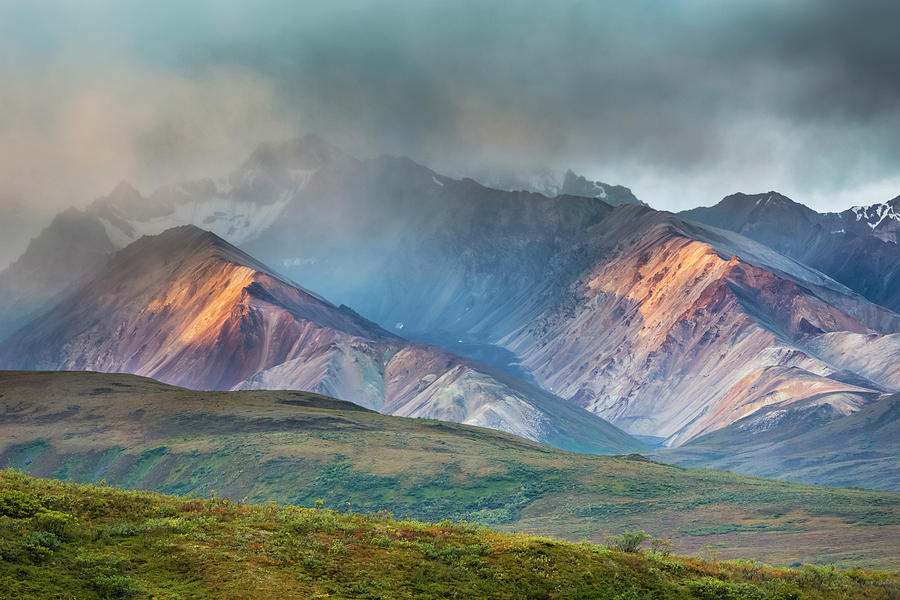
(188, 308)
(859, 247)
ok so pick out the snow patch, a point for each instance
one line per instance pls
(298, 261)
(875, 214)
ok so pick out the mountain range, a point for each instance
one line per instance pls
(670, 327)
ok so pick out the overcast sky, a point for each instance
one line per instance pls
(683, 101)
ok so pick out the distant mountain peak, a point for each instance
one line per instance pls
(193, 245)
(874, 215)
(124, 189)
(615, 195)
(123, 197)
(856, 247)
(759, 198)
(175, 239)
(307, 152)
(552, 183)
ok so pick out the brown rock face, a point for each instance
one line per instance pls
(187, 308)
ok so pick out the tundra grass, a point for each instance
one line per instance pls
(296, 448)
(62, 540)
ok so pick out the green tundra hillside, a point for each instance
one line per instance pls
(299, 448)
(61, 540)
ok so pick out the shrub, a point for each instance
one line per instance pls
(661, 546)
(482, 549)
(55, 522)
(18, 505)
(629, 541)
(667, 563)
(714, 589)
(9, 551)
(117, 586)
(823, 578)
(38, 553)
(784, 590)
(324, 521)
(41, 544)
(106, 574)
(124, 529)
(45, 539)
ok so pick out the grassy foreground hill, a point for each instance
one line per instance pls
(61, 540)
(297, 448)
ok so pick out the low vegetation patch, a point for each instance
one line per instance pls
(60, 540)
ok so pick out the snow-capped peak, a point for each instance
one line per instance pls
(875, 214)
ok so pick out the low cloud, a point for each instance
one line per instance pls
(683, 101)
(64, 143)
(60, 138)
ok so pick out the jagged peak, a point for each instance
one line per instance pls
(193, 245)
(124, 198)
(876, 214)
(770, 197)
(578, 185)
(190, 243)
(309, 151)
(124, 190)
(759, 201)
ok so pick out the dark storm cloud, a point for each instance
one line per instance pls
(795, 94)
(685, 101)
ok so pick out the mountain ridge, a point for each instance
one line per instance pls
(858, 246)
(189, 308)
